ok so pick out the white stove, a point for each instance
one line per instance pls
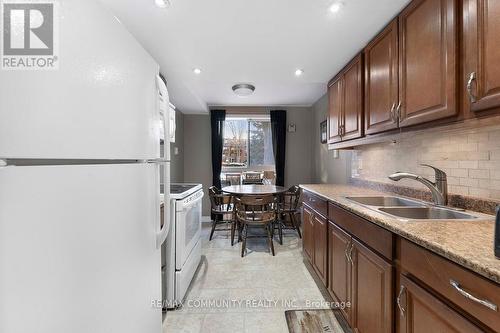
(181, 253)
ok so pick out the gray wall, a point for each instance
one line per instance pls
(198, 154)
(298, 167)
(327, 169)
(177, 164)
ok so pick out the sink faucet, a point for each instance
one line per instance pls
(439, 189)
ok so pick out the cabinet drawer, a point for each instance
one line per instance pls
(315, 202)
(376, 237)
(440, 274)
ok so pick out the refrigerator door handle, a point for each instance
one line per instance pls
(3, 163)
(168, 208)
(162, 235)
(157, 161)
(165, 161)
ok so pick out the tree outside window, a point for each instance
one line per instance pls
(247, 143)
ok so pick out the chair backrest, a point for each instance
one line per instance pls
(218, 199)
(290, 199)
(262, 208)
(269, 177)
(233, 179)
(252, 176)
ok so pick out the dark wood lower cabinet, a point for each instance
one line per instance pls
(308, 233)
(371, 291)
(315, 240)
(356, 261)
(321, 247)
(420, 311)
(339, 274)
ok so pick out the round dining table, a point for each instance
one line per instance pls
(240, 190)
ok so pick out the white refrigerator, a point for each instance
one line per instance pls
(80, 232)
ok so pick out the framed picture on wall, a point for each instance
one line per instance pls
(322, 132)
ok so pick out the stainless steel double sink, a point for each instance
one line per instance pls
(408, 209)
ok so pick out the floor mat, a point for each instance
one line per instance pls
(316, 321)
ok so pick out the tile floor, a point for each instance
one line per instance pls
(250, 294)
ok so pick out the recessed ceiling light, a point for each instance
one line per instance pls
(336, 6)
(197, 71)
(243, 89)
(299, 72)
(162, 3)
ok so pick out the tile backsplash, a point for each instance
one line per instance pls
(471, 158)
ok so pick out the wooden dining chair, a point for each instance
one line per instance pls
(288, 206)
(252, 177)
(255, 211)
(233, 178)
(222, 209)
(269, 177)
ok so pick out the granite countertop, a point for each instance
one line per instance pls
(468, 243)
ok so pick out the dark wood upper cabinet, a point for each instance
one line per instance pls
(481, 81)
(346, 103)
(339, 274)
(428, 61)
(381, 81)
(335, 102)
(352, 116)
(371, 291)
(420, 311)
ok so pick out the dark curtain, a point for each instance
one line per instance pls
(278, 126)
(217, 118)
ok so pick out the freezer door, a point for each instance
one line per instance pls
(100, 104)
(78, 249)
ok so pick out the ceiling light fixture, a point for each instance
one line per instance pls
(299, 72)
(243, 89)
(336, 6)
(162, 3)
(197, 71)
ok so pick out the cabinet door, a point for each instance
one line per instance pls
(371, 291)
(352, 115)
(339, 274)
(335, 103)
(482, 54)
(308, 233)
(428, 61)
(381, 81)
(419, 311)
(320, 247)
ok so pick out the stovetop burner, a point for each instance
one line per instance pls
(180, 188)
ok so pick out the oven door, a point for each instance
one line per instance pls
(188, 227)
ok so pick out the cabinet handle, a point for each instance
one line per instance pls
(350, 252)
(346, 251)
(471, 297)
(398, 113)
(341, 130)
(393, 114)
(472, 77)
(398, 301)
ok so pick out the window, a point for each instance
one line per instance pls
(247, 143)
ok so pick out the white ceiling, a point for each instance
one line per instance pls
(261, 42)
